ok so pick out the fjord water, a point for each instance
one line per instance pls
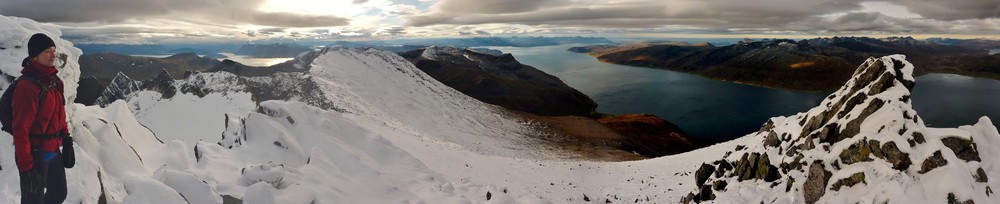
(713, 111)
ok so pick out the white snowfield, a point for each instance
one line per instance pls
(403, 138)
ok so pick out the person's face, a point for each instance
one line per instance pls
(47, 57)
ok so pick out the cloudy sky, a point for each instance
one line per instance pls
(164, 21)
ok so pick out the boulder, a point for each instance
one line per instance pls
(935, 161)
(849, 181)
(815, 185)
(963, 148)
(702, 174)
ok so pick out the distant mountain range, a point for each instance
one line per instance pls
(979, 44)
(101, 69)
(812, 64)
(485, 41)
(156, 49)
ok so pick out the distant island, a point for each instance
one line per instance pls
(819, 64)
(211, 51)
(275, 50)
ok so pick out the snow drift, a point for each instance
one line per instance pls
(374, 129)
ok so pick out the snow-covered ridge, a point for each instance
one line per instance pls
(864, 143)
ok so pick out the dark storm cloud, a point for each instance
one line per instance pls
(220, 11)
(953, 9)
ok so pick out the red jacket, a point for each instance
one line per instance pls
(32, 117)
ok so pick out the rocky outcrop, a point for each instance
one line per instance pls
(865, 135)
(649, 135)
(88, 91)
(120, 87)
(501, 80)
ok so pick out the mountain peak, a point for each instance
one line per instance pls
(876, 83)
(865, 135)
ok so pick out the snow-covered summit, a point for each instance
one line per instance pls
(863, 143)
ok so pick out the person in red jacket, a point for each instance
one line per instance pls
(38, 126)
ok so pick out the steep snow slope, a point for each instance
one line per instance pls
(386, 87)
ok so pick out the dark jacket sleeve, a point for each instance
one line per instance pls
(25, 107)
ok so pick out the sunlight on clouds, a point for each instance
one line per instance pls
(888, 9)
(343, 8)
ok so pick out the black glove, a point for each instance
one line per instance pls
(69, 157)
(34, 179)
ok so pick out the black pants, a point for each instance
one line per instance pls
(46, 185)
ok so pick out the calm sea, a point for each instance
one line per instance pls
(712, 110)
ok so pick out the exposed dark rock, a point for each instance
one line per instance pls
(723, 167)
(980, 176)
(899, 160)
(788, 185)
(88, 90)
(768, 126)
(228, 199)
(688, 199)
(766, 171)
(849, 181)
(854, 126)
(703, 173)
(919, 137)
(935, 161)
(791, 151)
(815, 185)
(755, 166)
(771, 140)
(119, 88)
(162, 83)
(964, 149)
(953, 200)
(719, 185)
(649, 135)
(857, 152)
(705, 194)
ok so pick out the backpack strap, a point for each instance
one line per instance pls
(41, 99)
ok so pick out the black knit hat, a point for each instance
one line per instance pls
(38, 43)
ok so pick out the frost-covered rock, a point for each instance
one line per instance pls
(864, 143)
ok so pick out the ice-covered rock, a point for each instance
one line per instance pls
(863, 143)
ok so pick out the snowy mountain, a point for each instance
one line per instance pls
(863, 143)
(501, 80)
(391, 134)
